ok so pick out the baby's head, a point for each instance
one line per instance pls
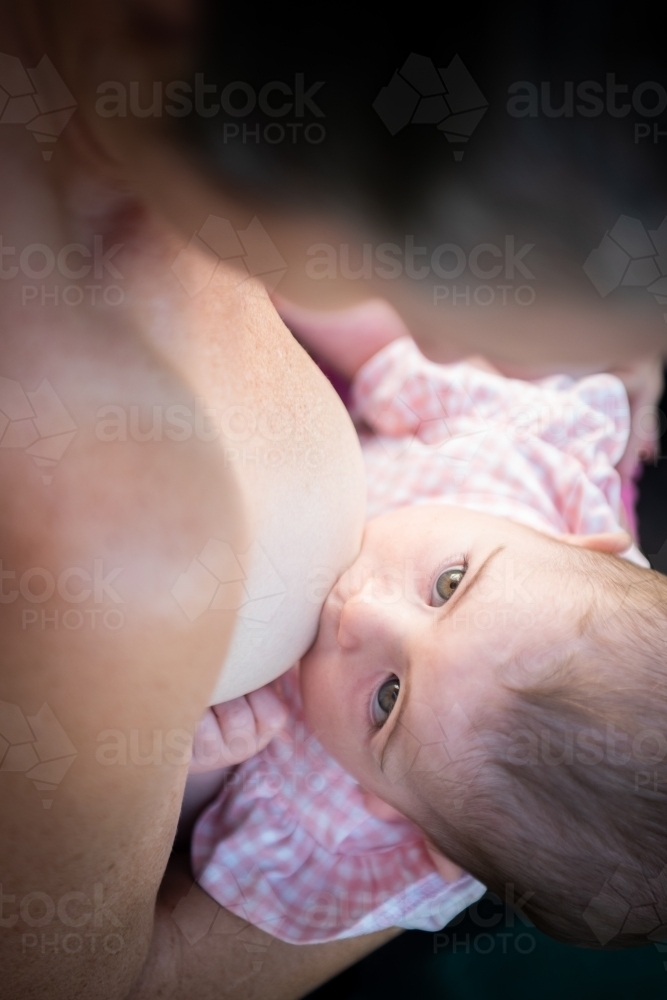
(508, 692)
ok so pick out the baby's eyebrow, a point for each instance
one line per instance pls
(479, 574)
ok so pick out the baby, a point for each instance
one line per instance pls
(488, 668)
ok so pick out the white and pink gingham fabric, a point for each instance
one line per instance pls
(289, 844)
(542, 453)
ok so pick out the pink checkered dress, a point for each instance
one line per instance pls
(289, 844)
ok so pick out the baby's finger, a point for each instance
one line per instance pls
(269, 711)
(238, 729)
(235, 716)
(247, 724)
(208, 749)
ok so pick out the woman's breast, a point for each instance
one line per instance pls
(277, 423)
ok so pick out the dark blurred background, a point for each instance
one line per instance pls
(506, 961)
(490, 952)
(554, 174)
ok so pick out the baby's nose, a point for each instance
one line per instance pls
(372, 616)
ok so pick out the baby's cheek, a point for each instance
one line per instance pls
(320, 709)
(327, 712)
(313, 685)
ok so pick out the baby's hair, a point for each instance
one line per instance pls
(569, 800)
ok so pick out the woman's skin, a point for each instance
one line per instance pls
(132, 514)
(115, 523)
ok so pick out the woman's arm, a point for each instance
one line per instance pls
(344, 338)
(102, 676)
(200, 950)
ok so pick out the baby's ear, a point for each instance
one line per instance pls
(445, 867)
(612, 542)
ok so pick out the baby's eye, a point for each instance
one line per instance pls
(384, 700)
(446, 584)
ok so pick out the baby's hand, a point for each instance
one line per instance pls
(643, 384)
(344, 338)
(236, 730)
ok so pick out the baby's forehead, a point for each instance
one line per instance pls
(479, 518)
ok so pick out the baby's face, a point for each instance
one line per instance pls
(417, 636)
